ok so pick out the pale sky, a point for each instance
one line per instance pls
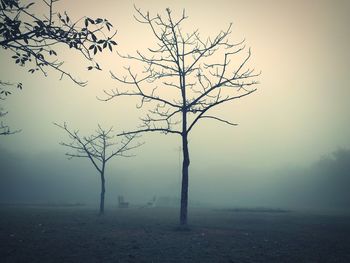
(299, 113)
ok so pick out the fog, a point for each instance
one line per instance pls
(290, 149)
(50, 178)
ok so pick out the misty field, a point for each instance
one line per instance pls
(78, 234)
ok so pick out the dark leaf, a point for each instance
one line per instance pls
(91, 21)
(94, 38)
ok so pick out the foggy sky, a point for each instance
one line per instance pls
(299, 113)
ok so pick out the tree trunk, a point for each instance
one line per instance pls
(184, 185)
(102, 198)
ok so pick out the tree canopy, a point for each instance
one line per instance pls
(33, 40)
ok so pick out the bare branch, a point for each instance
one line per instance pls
(212, 105)
(181, 75)
(165, 131)
(100, 147)
(219, 119)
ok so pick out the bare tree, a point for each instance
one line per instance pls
(99, 148)
(184, 82)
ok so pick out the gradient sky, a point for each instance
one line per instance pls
(299, 113)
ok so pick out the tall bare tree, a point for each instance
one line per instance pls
(185, 77)
(99, 148)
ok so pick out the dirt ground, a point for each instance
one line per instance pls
(77, 234)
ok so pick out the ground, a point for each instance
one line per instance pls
(78, 234)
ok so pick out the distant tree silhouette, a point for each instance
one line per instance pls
(184, 81)
(4, 128)
(99, 148)
(32, 39)
(331, 179)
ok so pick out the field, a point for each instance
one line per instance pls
(77, 234)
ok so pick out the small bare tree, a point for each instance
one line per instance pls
(184, 81)
(99, 148)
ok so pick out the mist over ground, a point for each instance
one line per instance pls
(51, 178)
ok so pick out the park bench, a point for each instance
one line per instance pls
(122, 203)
